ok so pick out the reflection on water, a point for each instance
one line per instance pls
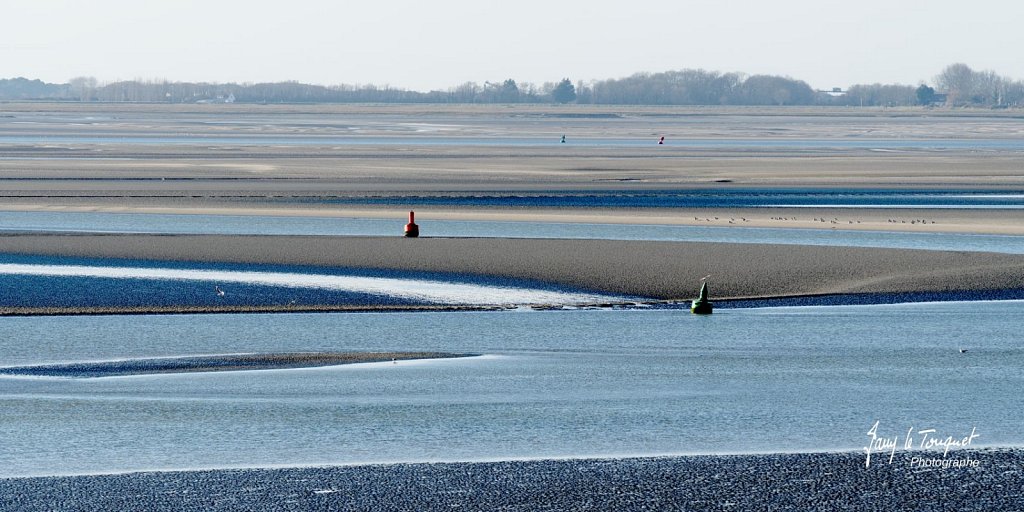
(565, 383)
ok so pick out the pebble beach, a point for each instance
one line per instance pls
(803, 481)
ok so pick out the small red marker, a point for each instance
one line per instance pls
(411, 229)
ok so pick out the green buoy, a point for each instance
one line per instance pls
(701, 306)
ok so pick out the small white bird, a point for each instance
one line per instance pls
(962, 350)
(220, 293)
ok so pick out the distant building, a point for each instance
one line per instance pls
(230, 98)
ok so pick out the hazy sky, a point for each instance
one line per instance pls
(423, 45)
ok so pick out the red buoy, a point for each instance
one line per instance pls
(411, 229)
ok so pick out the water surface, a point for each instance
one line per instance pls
(563, 383)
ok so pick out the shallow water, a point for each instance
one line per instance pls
(269, 225)
(703, 198)
(564, 383)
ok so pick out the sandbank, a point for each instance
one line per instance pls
(658, 270)
(216, 363)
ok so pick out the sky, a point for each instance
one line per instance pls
(435, 45)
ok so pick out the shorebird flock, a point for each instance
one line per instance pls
(833, 220)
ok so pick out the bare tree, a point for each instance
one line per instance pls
(83, 88)
(958, 80)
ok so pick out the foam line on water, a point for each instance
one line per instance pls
(421, 290)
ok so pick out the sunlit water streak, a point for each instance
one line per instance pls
(418, 290)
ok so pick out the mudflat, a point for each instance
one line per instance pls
(311, 159)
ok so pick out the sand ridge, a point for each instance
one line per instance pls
(659, 270)
(217, 363)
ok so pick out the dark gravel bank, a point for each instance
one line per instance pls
(822, 481)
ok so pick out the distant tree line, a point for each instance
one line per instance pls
(964, 86)
(698, 87)
(87, 89)
(25, 89)
(957, 85)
